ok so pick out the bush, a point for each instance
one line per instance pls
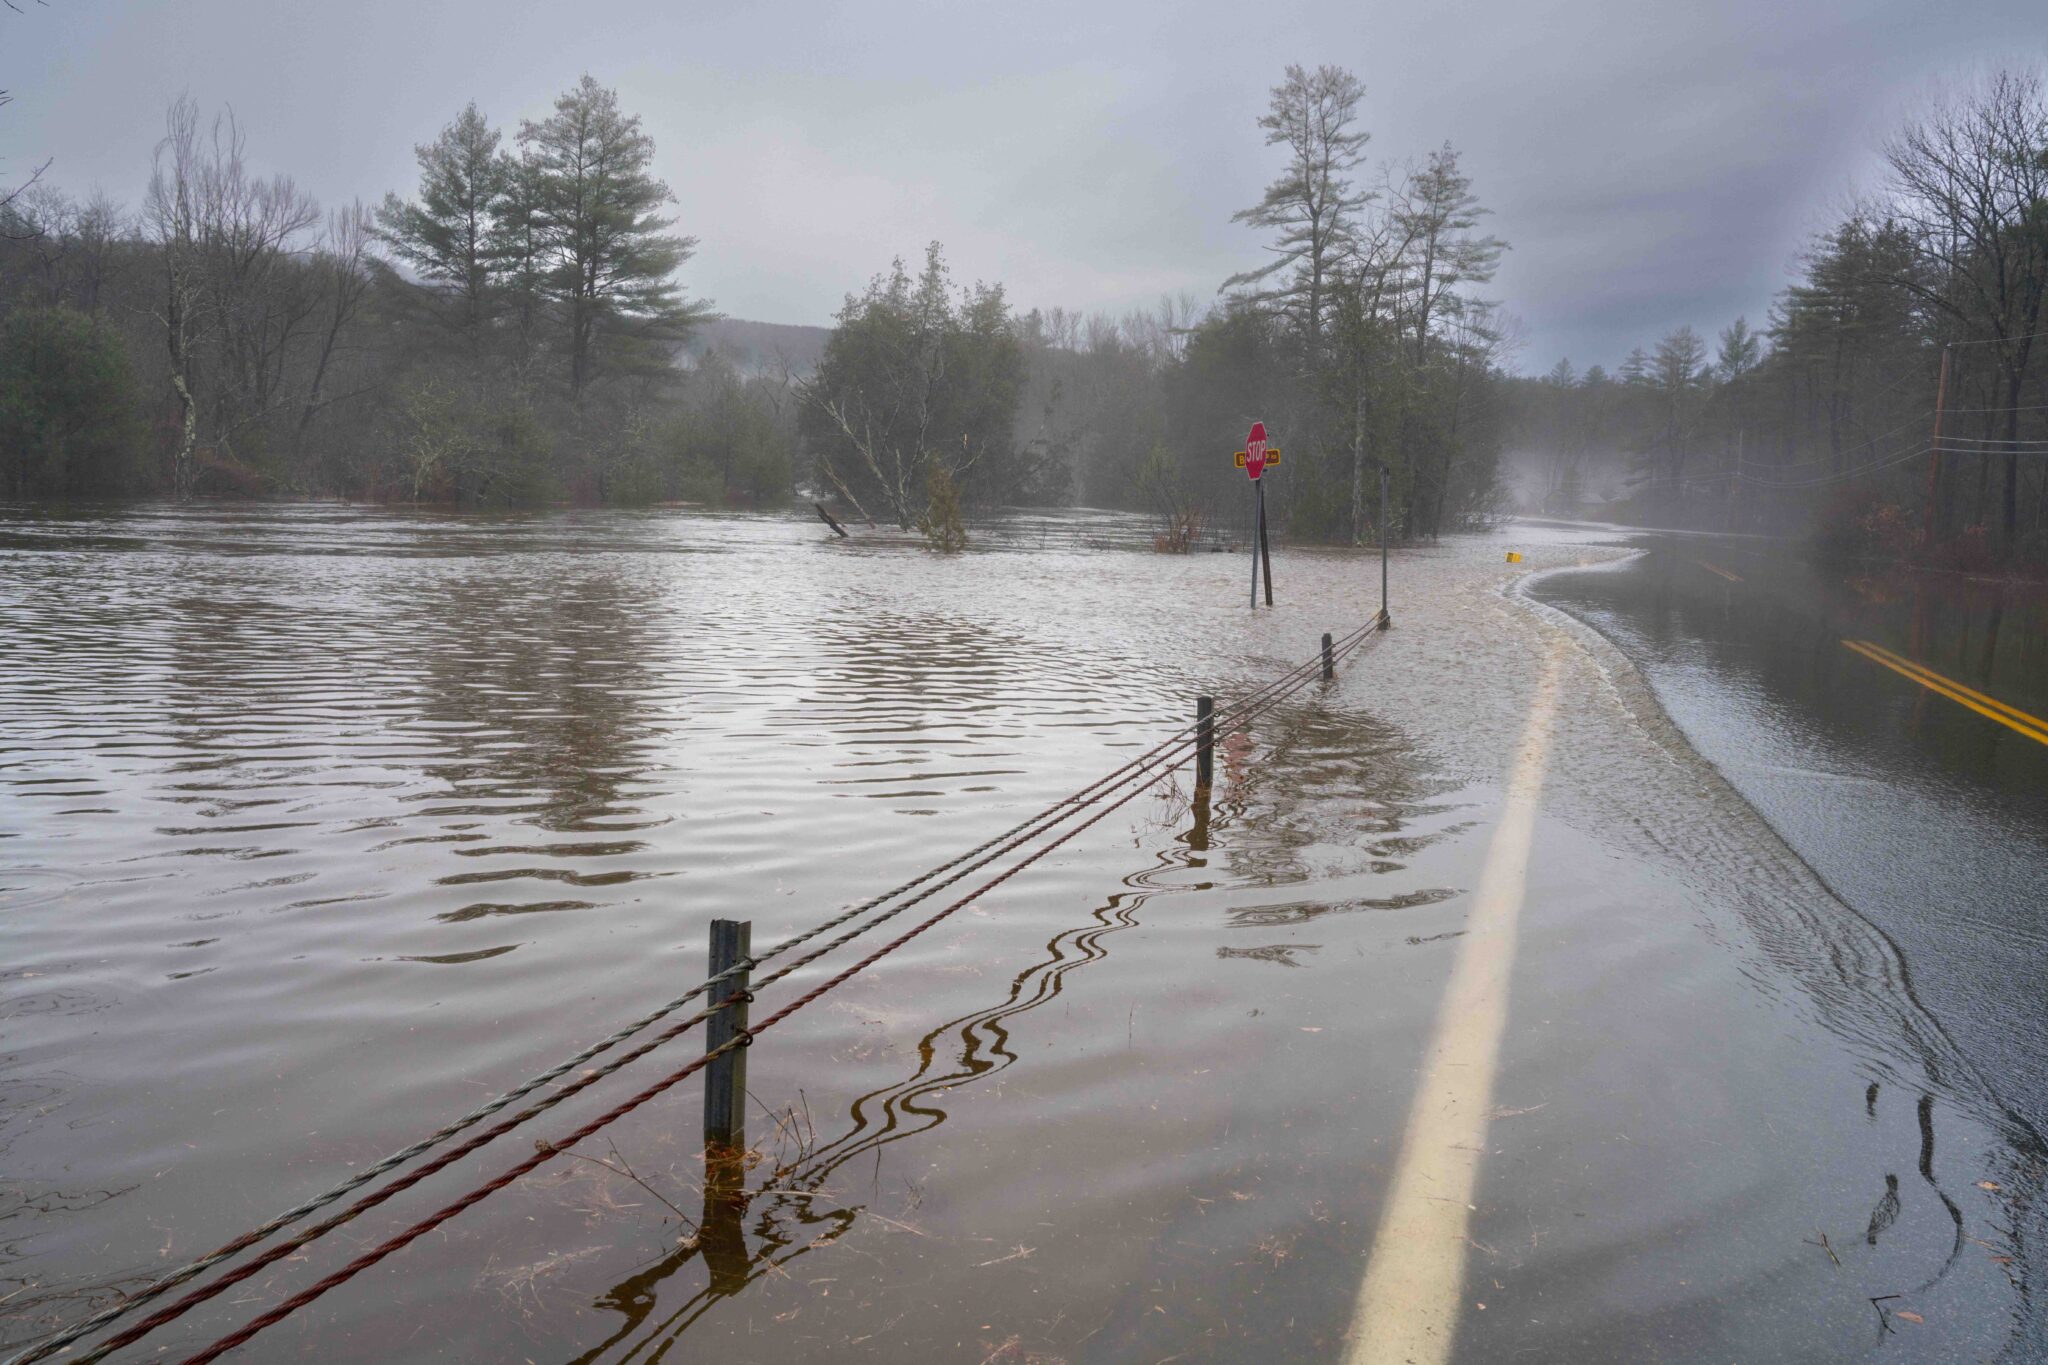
(67, 406)
(457, 446)
(941, 524)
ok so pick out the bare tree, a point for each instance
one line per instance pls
(344, 267)
(1971, 182)
(170, 216)
(1435, 216)
(236, 302)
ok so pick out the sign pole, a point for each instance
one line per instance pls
(1255, 545)
(1253, 460)
(1265, 545)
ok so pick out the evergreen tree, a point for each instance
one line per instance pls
(1312, 206)
(446, 235)
(610, 259)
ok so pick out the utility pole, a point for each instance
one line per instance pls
(1934, 455)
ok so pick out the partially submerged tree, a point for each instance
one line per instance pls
(916, 374)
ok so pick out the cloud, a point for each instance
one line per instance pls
(1651, 165)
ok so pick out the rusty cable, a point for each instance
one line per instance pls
(1138, 770)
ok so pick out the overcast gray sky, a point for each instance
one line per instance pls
(1651, 164)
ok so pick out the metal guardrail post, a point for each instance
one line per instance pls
(1329, 659)
(1205, 741)
(725, 1080)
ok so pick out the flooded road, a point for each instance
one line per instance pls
(319, 826)
(1925, 814)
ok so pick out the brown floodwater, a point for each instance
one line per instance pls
(318, 826)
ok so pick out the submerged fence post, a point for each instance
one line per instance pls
(1329, 660)
(1205, 741)
(725, 1080)
(1385, 620)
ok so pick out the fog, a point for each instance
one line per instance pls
(1651, 166)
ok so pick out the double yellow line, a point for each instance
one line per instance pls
(2033, 727)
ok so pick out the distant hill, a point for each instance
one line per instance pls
(760, 347)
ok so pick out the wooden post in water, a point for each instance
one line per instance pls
(725, 1080)
(1205, 742)
(1329, 660)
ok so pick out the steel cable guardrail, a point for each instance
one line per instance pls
(1139, 770)
(545, 1151)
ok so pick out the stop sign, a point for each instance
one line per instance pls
(1255, 451)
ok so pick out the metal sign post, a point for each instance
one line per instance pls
(1253, 460)
(1383, 544)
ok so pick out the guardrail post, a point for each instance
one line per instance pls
(1205, 741)
(1329, 660)
(725, 1080)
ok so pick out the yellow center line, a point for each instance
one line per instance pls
(1409, 1305)
(2033, 727)
(1919, 670)
(1716, 568)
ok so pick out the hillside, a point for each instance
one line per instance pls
(761, 347)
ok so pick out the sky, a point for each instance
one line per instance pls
(1650, 164)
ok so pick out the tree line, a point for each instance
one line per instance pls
(508, 333)
(1929, 293)
(512, 331)
(1360, 341)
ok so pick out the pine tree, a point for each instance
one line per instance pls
(611, 261)
(1436, 214)
(445, 235)
(1312, 204)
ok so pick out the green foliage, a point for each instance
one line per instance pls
(446, 236)
(67, 406)
(610, 261)
(460, 445)
(918, 374)
(943, 529)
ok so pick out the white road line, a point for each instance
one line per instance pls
(1409, 1306)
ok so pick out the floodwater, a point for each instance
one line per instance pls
(318, 826)
(1926, 816)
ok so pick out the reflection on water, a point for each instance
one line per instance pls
(1930, 822)
(751, 1234)
(319, 825)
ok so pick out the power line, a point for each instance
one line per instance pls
(1856, 473)
(1996, 341)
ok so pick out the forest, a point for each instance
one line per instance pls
(514, 330)
(1894, 404)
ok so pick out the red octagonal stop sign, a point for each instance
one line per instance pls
(1255, 451)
